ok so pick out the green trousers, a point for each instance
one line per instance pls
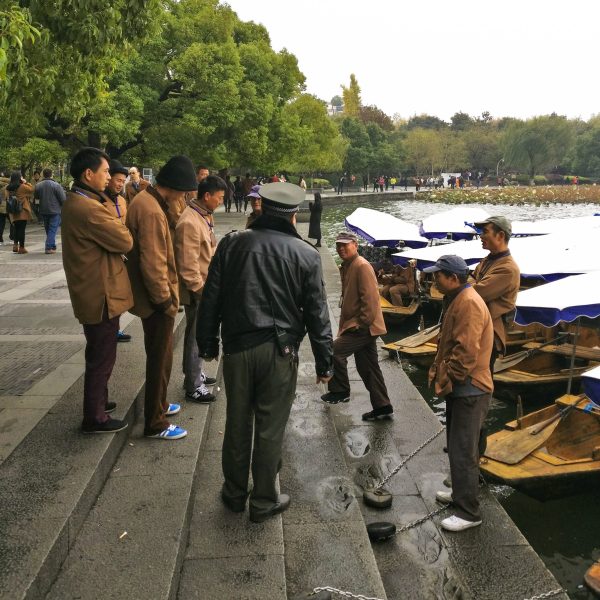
(260, 386)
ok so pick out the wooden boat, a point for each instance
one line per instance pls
(424, 354)
(592, 578)
(562, 458)
(551, 364)
(396, 314)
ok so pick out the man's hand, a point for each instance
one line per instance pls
(323, 379)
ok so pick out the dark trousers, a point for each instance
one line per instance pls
(260, 386)
(19, 232)
(192, 363)
(484, 431)
(362, 344)
(158, 342)
(100, 356)
(2, 224)
(464, 418)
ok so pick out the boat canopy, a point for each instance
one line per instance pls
(591, 384)
(546, 226)
(563, 300)
(454, 224)
(548, 257)
(383, 229)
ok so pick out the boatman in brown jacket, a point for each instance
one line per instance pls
(154, 282)
(94, 245)
(461, 374)
(361, 322)
(497, 281)
(195, 244)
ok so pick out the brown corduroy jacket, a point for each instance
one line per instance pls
(24, 193)
(151, 263)
(464, 345)
(497, 282)
(194, 248)
(93, 242)
(361, 306)
(130, 192)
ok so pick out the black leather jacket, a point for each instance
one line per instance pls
(260, 277)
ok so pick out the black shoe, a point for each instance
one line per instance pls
(283, 503)
(111, 426)
(123, 337)
(201, 395)
(236, 506)
(110, 407)
(206, 380)
(335, 397)
(383, 412)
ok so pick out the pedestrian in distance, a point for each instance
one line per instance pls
(94, 243)
(238, 196)
(3, 183)
(248, 184)
(341, 183)
(118, 206)
(50, 196)
(460, 374)
(18, 194)
(135, 185)
(314, 226)
(195, 245)
(153, 276)
(361, 322)
(264, 291)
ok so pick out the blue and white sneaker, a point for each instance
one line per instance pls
(172, 432)
(173, 409)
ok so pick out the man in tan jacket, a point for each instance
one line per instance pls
(94, 242)
(460, 373)
(154, 282)
(195, 245)
(135, 185)
(361, 322)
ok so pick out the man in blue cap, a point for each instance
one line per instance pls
(264, 289)
(461, 374)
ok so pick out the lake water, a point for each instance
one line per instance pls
(564, 532)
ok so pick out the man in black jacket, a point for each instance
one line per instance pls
(265, 288)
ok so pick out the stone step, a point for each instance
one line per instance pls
(50, 482)
(132, 542)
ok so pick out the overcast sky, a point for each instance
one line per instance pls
(510, 57)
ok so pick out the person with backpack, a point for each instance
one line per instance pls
(18, 195)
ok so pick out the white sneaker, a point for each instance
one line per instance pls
(455, 523)
(444, 497)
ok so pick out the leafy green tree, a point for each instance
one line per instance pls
(372, 114)
(481, 145)
(425, 122)
(337, 101)
(461, 121)
(359, 152)
(585, 158)
(351, 95)
(423, 150)
(36, 151)
(537, 144)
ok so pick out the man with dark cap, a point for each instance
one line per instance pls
(264, 289)
(255, 203)
(94, 242)
(118, 205)
(497, 280)
(461, 375)
(361, 322)
(154, 282)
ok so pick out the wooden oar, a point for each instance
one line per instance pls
(419, 338)
(507, 362)
(513, 447)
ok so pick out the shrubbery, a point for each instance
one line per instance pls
(321, 183)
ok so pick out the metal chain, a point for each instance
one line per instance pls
(402, 463)
(547, 594)
(408, 526)
(342, 593)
